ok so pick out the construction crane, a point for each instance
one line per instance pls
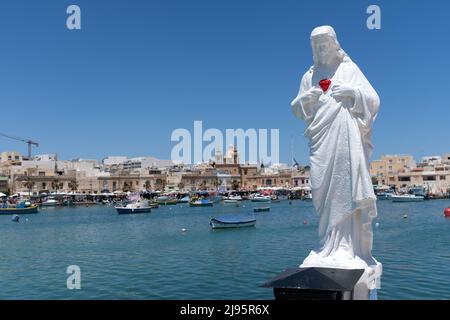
(27, 141)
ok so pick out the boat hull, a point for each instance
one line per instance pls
(216, 224)
(407, 199)
(261, 200)
(201, 204)
(50, 204)
(261, 209)
(29, 210)
(133, 210)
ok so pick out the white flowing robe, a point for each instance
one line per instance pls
(339, 131)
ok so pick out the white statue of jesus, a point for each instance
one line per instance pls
(339, 107)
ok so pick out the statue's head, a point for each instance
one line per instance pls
(325, 46)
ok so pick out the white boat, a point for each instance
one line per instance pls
(260, 198)
(308, 197)
(139, 206)
(230, 201)
(234, 197)
(185, 199)
(407, 198)
(49, 203)
(385, 196)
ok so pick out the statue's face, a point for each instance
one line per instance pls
(324, 49)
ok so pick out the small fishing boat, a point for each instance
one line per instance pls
(19, 209)
(201, 203)
(15, 218)
(230, 201)
(407, 198)
(384, 196)
(264, 209)
(232, 221)
(185, 199)
(139, 206)
(49, 203)
(260, 198)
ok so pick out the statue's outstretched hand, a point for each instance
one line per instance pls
(342, 90)
(312, 95)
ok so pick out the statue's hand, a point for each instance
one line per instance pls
(342, 90)
(312, 95)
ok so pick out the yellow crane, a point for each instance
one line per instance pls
(27, 141)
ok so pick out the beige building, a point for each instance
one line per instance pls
(134, 182)
(385, 170)
(11, 157)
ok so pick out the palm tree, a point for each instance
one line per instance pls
(160, 184)
(73, 185)
(235, 185)
(126, 186)
(55, 184)
(29, 184)
(147, 185)
(216, 184)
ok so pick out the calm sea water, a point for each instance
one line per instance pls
(148, 257)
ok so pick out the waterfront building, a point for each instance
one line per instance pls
(4, 184)
(10, 157)
(384, 171)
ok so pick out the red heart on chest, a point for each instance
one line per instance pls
(325, 84)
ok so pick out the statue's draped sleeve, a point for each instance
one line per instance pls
(300, 107)
(366, 104)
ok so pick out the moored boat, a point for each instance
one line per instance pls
(264, 209)
(201, 203)
(139, 206)
(385, 196)
(260, 198)
(230, 201)
(232, 221)
(19, 210)
(407, 198)
(49, 203)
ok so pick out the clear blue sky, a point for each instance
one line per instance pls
(139, 69)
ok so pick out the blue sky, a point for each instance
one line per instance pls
(140, 69)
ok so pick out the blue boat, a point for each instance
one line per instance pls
(19, 209)
(138, 206)
(125, 210)
(201, 203)
(232, 221)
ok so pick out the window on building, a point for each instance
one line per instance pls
(429, 178)
(41, 173)
(404, 179)
(442, 177)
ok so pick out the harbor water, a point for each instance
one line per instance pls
(148, 256)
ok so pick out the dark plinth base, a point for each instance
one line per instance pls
(302, 294)
(315, 284)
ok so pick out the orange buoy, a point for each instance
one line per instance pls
(447, 212)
